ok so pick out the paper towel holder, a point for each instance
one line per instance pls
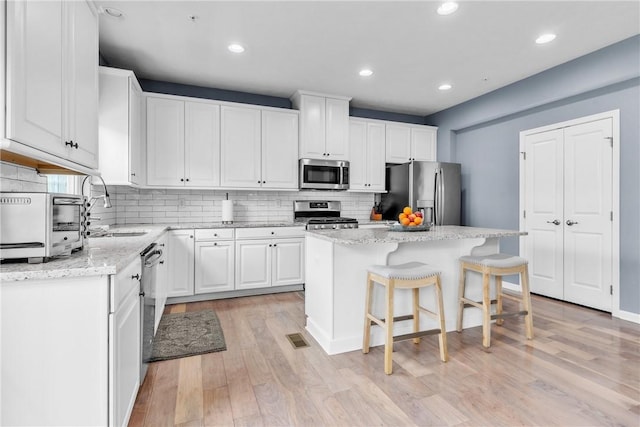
(227, 214)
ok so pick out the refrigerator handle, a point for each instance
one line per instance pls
(442, 196)
(436, 199)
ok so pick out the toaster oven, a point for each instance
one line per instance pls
(39, 226)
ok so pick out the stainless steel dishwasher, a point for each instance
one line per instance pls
(151, 257)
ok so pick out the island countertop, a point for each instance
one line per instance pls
(367, 236)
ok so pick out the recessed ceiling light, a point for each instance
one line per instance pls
(113, 12)
(545, 38)
(366, 72)
(236, 48)
(447, 8)
(445, 86)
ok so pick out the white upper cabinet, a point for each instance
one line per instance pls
(279, 149)
(410, 142)
(121, 127)
(367, 146)
(183, 143)
(324, 126)
(52, 78)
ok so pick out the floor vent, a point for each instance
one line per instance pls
(297, 341)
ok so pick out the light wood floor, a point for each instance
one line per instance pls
(581, 369)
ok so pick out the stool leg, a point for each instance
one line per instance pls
(388, 342)
(366, 339)
(526, 301)
(442, 338)
(486, 310)
(499, 321)
(461, 286)
(416, 313)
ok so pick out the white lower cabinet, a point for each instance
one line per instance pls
(180, 260)
(214, 261)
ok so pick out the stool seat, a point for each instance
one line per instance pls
(407, 271)
(495, 260)
(411, 275)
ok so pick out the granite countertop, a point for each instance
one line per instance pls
(367, 236)
(109, 255)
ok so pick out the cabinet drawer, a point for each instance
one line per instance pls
(124, 283)
(214, 234)
(269, 232)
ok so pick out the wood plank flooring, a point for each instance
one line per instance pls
(581, 369)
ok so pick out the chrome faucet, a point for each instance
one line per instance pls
(94, 199)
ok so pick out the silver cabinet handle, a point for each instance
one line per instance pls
(555, 222)
(570, 223)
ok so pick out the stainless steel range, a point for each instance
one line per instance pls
(321, 215)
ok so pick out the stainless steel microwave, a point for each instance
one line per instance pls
(38, 226)
(324, 174)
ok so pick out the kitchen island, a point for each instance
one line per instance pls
(336, 271)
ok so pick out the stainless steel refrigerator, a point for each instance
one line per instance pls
(432, 187)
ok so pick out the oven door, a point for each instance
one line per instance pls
(324, 174)
(67, 215)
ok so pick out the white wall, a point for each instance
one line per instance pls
(20, 178)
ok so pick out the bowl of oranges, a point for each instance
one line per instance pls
(410, 221)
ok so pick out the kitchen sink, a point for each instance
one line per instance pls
(119, 234)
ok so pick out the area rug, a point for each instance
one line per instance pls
(187, 334)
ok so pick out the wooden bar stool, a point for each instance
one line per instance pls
(496, 265)
(412, 275)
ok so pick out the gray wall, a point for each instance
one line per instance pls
(483, 135)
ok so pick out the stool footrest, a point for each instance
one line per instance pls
(416, 335)
(512, 314)
(478, 304)
(395, 319)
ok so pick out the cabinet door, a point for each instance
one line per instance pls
(35, 74)
(398, 143)
(288, 262)
(165, 142)
(202, 144)
(279, 149)
(312, 127)
(136, 133)
(376, 156)
(181, 263)
(114, 129)
(82, 84)
(423, 144)
(358, 155)
(337, 129)
(125, 353)
(240, 155)
(215, 265)
(253, 264)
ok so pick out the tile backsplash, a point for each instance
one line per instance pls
(158, 206)
(20, 178)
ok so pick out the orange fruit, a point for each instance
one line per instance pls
(402, 216)
(412, 224)
(411, 217)
(407, 210)
(418, 220)
(405, 221)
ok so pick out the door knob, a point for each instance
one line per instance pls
(570, 223)
(555, 222)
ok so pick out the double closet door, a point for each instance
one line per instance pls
(569, 213)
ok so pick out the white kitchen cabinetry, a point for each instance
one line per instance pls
(280, 149)
(180, 262)
(52, 79)
(367, 147)
(183, 143)
(214, 260)
(121, 127)
(410, 142)
(269, 257)
(324, 125)
(124, 345)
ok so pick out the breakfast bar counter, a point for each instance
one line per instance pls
(336, 264)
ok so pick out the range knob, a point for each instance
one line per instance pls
(335, 226)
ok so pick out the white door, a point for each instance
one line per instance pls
(375, 156)
(288, 262)
(240, 157)
(568, 205)
(398, 143)
(358, 155)
(215, 264)
(201, 144)
(312, 127)
(253, 264)
(337, 129)
(180, 263)
(423, 144)
(165, 142)
(544, 209)
(279, 149)
(587, 214)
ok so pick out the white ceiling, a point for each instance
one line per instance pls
(321, 45)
